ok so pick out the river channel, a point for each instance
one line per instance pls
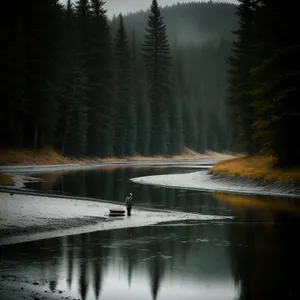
(255, 255)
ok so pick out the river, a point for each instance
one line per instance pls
(253, 256)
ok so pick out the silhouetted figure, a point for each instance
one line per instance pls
(128, 204)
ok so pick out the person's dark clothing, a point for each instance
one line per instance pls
(129, 211)
(128, 203)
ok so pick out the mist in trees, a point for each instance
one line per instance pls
(125, 130)
(149, 83)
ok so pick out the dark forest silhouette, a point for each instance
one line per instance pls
(264, 79)
(151, 82)
(76, 81)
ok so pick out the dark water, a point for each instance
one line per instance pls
(114, 184)
(253, 256)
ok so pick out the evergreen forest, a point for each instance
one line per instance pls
(146, 83)
(206, 76)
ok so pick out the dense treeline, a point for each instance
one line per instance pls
(73, 80)
(265, 77)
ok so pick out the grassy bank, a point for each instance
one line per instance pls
(33, 157)
(50, 157)
(256, 167)
(6, 180)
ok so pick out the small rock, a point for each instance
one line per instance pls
(36, 283)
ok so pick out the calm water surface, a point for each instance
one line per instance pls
(114, 184)
(254, 256)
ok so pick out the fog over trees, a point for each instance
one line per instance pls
(150, 82)
(87, 86)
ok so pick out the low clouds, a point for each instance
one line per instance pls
(114, 7)
(126, 6)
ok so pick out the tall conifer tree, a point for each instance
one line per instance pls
(99, 66)
(142, 107)
(240, 80)
(276, 74)
(123, 104)
(157, 57)
(73, 105)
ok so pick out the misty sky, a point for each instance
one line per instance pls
(126, 6)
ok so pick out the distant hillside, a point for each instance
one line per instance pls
(200, 35)
(193, 22)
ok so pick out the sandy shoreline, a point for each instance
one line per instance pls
(25, 217)
(203, 181)
(36, 216)
(32, 217)
(146, 163)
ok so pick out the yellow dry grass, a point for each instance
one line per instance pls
(256, 167)
(6, 180)
(45, 156)
(48, 156)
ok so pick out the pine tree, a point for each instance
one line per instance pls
(83, 12)
(240, 79)
(132, 122)
(100, 77)
(176, 120)
(76, 118)
(156, 53)
(66, 99)
(57, 86)
(73, 104)
(276, 74)
(123, 104)
(43, 48)
(142, 107)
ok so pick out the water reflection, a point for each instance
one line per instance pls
(244, 204)
(114, 184)
(255, 256)
(247, 258)
(139, 263)
(268, 268)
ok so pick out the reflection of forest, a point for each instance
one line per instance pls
(87, 264)
(262, 258)
(268, 267)
(114, 184)
(258, 251)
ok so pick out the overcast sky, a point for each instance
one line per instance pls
(126, 6)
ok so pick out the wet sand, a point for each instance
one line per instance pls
(203, 181)
(32, 217)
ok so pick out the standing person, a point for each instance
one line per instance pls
(128, 203)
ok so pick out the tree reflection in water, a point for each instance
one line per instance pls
(267, 267)
(252, 257)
